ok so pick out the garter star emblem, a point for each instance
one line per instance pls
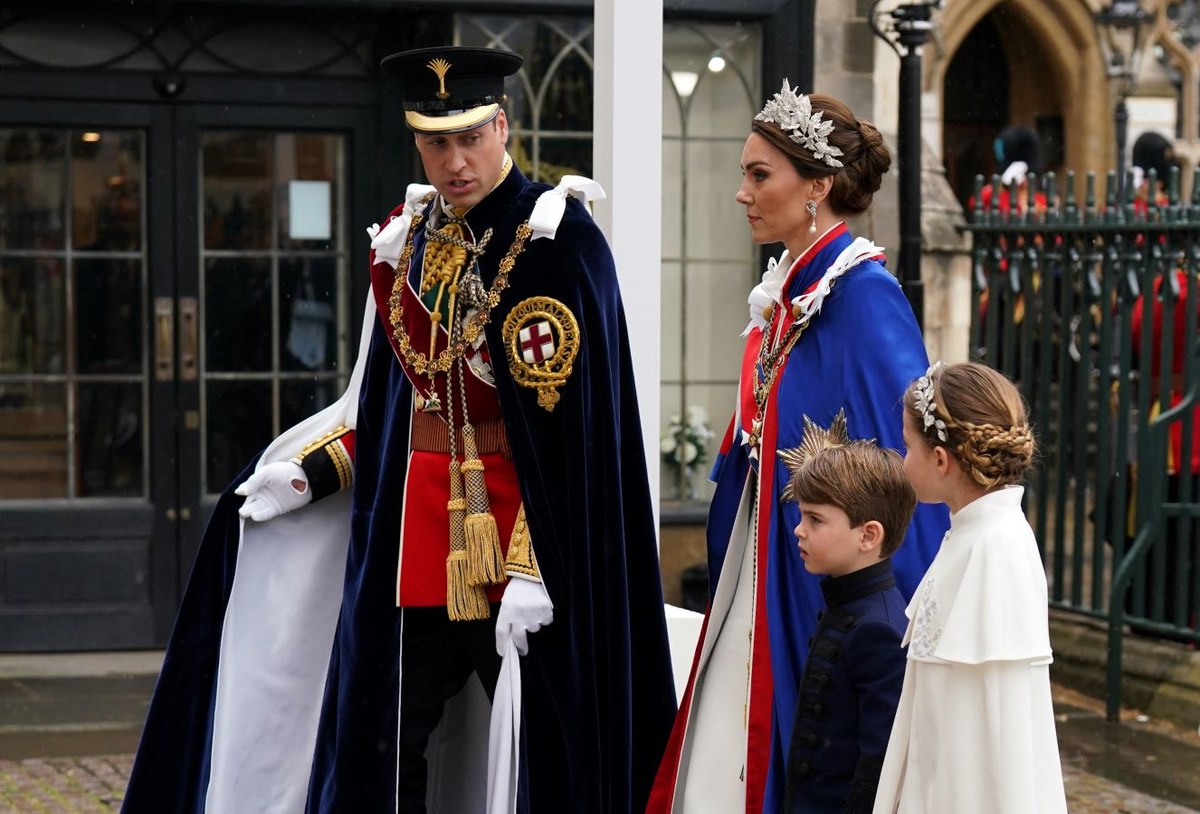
(541, 339)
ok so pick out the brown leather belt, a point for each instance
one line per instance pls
(430, 433)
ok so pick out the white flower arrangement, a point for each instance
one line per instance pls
(685, 441)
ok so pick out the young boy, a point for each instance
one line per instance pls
(856, 504)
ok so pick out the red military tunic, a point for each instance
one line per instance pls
(425, 522)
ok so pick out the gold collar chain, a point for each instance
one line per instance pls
(472, 328)
(444, 236)
(771, 362)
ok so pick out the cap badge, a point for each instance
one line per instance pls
(440, 66)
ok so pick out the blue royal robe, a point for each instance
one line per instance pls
(859, 354)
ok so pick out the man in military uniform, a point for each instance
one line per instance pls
(489, 460)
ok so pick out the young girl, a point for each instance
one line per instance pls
(975, 727)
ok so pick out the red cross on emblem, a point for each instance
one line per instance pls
(537, 342)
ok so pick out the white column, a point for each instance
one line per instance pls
(628, 163)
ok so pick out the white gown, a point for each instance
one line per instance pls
(974, 730)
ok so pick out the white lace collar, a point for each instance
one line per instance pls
(770, 290)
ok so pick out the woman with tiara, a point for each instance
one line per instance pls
(830, 329)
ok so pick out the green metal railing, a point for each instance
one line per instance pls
(1059, 288)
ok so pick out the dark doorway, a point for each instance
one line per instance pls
(975, 107)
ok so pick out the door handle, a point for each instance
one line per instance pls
(189, 317)
(164, 339)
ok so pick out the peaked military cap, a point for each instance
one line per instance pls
(451, 89)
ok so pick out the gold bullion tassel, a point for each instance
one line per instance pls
(464, 601)
(485, 560)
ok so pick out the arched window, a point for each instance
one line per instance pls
(710, 93)
(550, 104)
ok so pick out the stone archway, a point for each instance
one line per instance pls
(1056, 72)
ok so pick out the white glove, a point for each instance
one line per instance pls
(524, 609)
(270, 491)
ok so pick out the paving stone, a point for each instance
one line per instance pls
(96, 785)
(1093, 754)
(85, 785)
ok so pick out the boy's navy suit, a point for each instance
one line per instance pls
(848, 694)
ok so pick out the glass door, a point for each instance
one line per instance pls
(174, 291)
(73, 363)
(271, 257)
(273, 266)
(80, 462)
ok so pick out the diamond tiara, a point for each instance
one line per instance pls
(926, 403)
(794, 114)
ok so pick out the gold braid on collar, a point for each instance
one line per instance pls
(471, 328)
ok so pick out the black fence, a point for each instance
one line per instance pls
(1092, 309)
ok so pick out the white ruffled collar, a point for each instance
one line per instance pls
(766, 294)
(769, 292)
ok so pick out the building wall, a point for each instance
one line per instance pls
(850, 63)
(1055, 80)
(860, 69)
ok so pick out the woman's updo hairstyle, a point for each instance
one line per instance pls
(865, 158)
(979, 416)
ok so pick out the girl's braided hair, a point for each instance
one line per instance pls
(982, 417)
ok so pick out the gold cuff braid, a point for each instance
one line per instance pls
(520, 560)
(326, 463)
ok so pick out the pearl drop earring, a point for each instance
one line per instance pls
(811, 206)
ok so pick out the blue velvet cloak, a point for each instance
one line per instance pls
(597, 683)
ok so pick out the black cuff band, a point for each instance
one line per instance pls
(328, 467)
